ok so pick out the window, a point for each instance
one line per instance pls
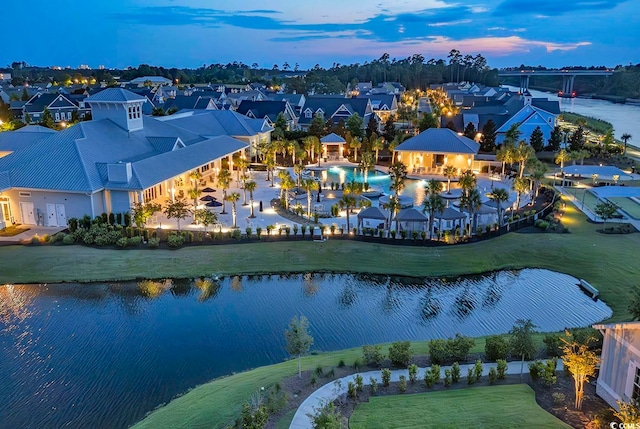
(24, 194)
(204, 168)
(129, 110)
(635, 393)
(58, 117)
(307, 114)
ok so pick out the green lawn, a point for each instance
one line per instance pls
(608, 262)
(479, 407)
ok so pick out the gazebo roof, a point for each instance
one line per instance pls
(449, 214)
(332, 138)
(439, 140)
(411, 215)
(372, 213)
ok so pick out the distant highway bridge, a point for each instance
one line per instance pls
(568, 76)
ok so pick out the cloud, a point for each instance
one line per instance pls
(444, 24)
(553, 7)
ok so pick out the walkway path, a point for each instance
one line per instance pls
(336, 388)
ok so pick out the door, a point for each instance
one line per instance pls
(61, 215)
(5, 210)
(27, 212)
(52, 219)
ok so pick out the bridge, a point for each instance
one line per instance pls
(568, 76)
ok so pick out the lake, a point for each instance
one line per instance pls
(104, 354)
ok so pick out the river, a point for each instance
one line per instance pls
(625, 118)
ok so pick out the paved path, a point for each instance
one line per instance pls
(336, 388)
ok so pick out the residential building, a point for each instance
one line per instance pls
(269, 111)
(150, 80)
(118, 158)
(337, 108)
(619, 375)
(60, 107)
(5, 77)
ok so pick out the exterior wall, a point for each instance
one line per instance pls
(431, 163)
(529, 118)
(75, 204)
(620, 357)
(120, 201)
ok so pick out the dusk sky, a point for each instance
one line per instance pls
(189, 33)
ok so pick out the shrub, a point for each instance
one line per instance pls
(493, 375)
(471, 377)
(35, 240)
(314, 380)
(496, 347)
(359, 383)
(455, 372)
(341, 364)
(357, 363)
(135, 241)
(549, 375)
(318, 371)
(403, 234)
(558, 398)
(536, 370)
(295, 229)
(477, 370)
(68, 239)
(460, 346)
(248, 231)
(413, 373)
(439, 351)
(502, 369)
(57, 237)
(73, 224)
(331, 373)
(122, 242)
(174, 241)
(386, 376)
(303, 229)
(351, 390)
(258, 232)
(154, 243)
(372, 355)
(393, 233)
(373, 385)
(552, 344)
(542, 224)
(235, 234)
(400, 353)
(447, 378)
(112, 219)
(402, 385)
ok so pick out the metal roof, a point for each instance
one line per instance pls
(332, 138)
(439, 140)
(411, 215)
(115, 95)
(372, 213)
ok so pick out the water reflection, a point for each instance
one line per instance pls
(104, 354)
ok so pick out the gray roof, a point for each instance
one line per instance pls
(217, 122)
(332, 138)
(115, 95)
(411, 215)
(449, 214)
(23, 137)
(372, 213)
(440, 140)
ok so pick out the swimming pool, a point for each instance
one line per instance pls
(378, 181)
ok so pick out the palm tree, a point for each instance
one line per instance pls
(434, 202)
(537, 170)
(241, 164)
(308, 185)
(472, 201)
(393, 144)
(468, 181)
(625, 137)
(562, 157)
(366, 163)
(520, 185)
(251, 186)
(499, 195)
(393, 206)
(194, 193)
(298, 169)
(347, 202)
(505, 155)
(521, 154)
(224, 180)
(310, 144)
(270, 162)
(355, 144)
(398, 175)
(449, 171)
(377, 144)
(292, 149)
(286, 184)
(233, 198)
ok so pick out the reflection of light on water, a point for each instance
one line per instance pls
(153, 289)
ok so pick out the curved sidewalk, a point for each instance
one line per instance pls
(338, 387)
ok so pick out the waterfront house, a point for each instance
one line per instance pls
(619, 375)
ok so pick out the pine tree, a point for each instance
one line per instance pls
(536, 140)
(470, 131)
(488, 140)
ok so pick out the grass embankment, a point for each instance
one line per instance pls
(593, 124)
(214, 404)
(478, 406)
(608, 262)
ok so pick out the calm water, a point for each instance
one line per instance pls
(625, 118)
(103, 355)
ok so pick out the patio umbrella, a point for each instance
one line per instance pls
(208, 189)
(213, 204)
(207, 198)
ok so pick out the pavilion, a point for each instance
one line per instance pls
(336, 143)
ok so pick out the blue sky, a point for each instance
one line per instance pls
(190, 33)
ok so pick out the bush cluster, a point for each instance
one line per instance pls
(174, 241)
(372, 355)
(496, 347)
(400, 353)
(453, 349)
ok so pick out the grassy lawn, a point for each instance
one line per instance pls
(478, 407)
(216, 403)
(608, 262)
(12, 230)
